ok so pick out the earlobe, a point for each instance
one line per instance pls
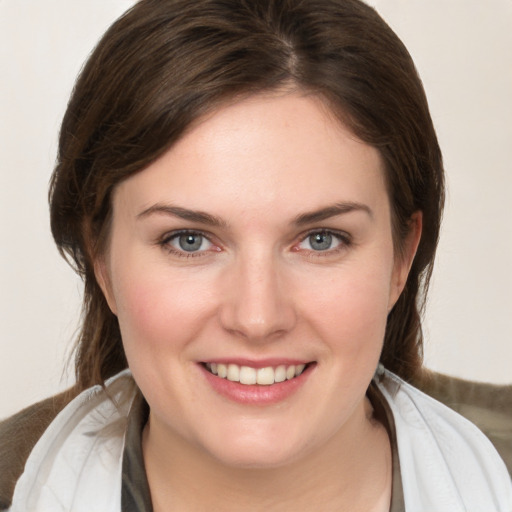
(403, 261)
(103, 279)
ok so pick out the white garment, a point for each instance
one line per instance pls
(446, 463)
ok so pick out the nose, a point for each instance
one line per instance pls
(257, 306)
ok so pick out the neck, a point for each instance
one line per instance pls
(351, 471)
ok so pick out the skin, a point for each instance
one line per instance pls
(259, 288)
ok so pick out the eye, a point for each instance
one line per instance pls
(320, 241)
(188, 242)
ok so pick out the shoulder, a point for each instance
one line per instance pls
(19, 434)
(488, 406)
(76, 462)
(446, 462)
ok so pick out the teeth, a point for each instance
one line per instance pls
(249, 376)
(233, 372)
(265, 376)
(280, 374)
(299, 369)
(222, 370)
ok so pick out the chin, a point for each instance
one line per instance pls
(255, 458)
(256, 451)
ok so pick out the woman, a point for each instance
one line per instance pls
(252, 193)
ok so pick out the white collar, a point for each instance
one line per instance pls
(446, 462)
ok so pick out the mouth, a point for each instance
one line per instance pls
(249, 376)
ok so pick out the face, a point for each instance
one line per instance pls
(252, 270)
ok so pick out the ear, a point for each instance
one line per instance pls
(102, 274)
(403, 261)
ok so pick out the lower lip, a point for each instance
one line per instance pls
(257, 394)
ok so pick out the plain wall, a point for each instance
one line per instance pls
(463, 51)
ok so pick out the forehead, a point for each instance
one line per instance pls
(267, 150)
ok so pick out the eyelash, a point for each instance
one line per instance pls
(344, 239)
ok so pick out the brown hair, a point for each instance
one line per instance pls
(165, 63)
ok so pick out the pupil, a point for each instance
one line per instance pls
(320, 241)
(190, 242)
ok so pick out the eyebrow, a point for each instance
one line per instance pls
(211, 220)
(331, 211)
(183, 213)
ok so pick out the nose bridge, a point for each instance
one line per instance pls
(258, 305)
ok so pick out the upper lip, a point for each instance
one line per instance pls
(258, 363)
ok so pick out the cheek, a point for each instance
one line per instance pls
(158, 310)
(350, 307)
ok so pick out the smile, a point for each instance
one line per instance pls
(249, 376)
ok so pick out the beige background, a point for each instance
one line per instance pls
(463, 50)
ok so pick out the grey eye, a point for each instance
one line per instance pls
(320, 241)
(190, 242)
